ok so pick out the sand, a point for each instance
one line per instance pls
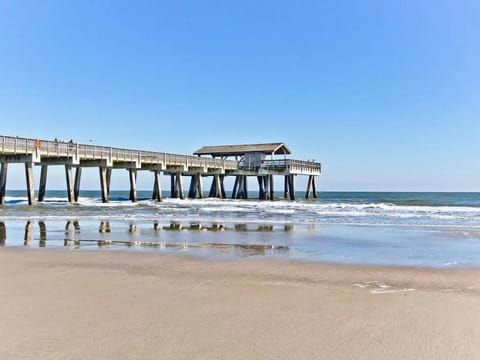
(64, 304)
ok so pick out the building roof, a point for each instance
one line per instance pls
(239, 150)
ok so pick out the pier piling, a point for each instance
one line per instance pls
(192, 192)
(179, 182)
(29, 181)
(103, 184)
(76, 186)
(200, 186)
(157, 187)
(133, 184)
(3, 182)
(43, 183)
(173, 190)
(272, 190)
(69, 179)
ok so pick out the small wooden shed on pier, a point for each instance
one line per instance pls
(225, 151)
(264, 161)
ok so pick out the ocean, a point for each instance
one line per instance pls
(379, 228)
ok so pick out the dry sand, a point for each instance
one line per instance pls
(58, 304)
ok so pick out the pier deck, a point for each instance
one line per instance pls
(76, 156)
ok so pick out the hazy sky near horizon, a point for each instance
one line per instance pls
(386, 94)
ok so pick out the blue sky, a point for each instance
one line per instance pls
(386, 94)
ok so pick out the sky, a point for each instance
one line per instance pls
(386, 94)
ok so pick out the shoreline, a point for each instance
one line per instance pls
(335, 244)
(59, 304)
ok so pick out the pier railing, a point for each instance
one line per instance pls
(47, 149)
(61, 149)
(285, 165)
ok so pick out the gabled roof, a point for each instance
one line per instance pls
(239, 150)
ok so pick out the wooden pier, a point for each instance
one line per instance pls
(216, 162)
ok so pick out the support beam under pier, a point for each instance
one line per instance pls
(69, 178)
(222, 187)
(109, 178)
(29, 181)
(291, 189)
(314, 187)
(309, 186)
(196, 187)
(173, 190)
(103, 184)
(266, 182)
(132, 174)
(192, 192)
(242, 191)
(261, 190)
(245, 187)
(179, 185)
(3, 182)
(265, 186)
(200, 186)
(76, 187)
(217, 190)
(235, 187)
(176, 186)
(157, 187)
(272, 191)
(43, 183)
(213, 189)
(217, 186)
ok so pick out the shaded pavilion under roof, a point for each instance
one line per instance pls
(240, 150)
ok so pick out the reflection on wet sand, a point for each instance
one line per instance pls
(104, 227)
(173, 227)
(265, 228)
(43, 234)
(249, 250)
(28, 233)
(72, 233)
(243, 249)
(196, 226)
(3, 233)
(73, 236)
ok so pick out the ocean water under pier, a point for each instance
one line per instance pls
(262, 161)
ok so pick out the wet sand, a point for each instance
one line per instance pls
(63, 304)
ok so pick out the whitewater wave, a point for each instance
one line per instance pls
(237, 211)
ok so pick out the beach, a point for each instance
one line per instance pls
(65, 304)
